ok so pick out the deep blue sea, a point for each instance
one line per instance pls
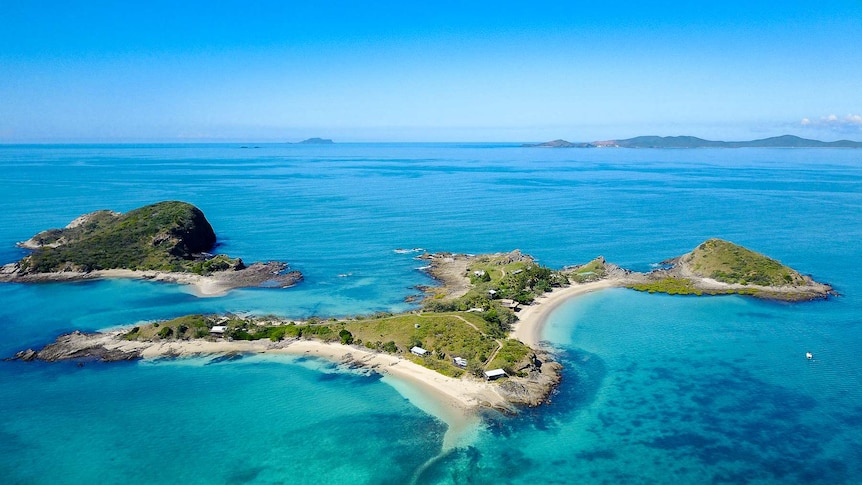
(657, 389)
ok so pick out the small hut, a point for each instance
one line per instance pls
(495, 374)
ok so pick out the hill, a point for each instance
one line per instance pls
(733, 264)
(784, 141)
(557, 144)
(166, 241)
(721, 267)
(163, 236)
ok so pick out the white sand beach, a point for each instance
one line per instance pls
(532, 318)
(201, 286)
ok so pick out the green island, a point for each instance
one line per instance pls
(165, 240)
(718, 267)
(481, 324)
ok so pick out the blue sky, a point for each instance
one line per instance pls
(427, 71)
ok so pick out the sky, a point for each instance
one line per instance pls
(211, 71)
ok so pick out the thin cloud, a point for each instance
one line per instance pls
(839, 123)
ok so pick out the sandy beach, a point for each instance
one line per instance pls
(202, 286)
(532, 318)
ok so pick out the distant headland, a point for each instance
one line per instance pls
(167, 241)
(784, 141)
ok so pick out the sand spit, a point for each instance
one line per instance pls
(270, 274)
(453, 400)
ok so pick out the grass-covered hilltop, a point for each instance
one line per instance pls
(720, 267)
(171, 237)
(166, 236)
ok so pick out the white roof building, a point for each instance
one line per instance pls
(218, 329)
(418, 351)
(494, 374)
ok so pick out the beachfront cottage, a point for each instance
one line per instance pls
(218, 330)
(510, 304)
(495, 374)
(419, 351)
(460, 362)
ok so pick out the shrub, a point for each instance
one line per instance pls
(346, 337)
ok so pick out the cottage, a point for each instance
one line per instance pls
(419, 351)
(495, 374)
(218, 330)
(510, 304)
(460, 362)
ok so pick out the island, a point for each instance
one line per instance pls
(166, 241)
(316, 141)
(558, 144)
(784, 141)
(476, 340)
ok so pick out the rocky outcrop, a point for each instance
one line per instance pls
(82, 346)
(535, 388)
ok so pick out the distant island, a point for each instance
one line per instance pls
(784, 141)
(476, 340)
(167, 241)
(316, 141)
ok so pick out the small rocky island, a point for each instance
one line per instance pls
(167, 241)
(718, 267)
(316, 141)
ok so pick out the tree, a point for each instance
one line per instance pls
(346, 336)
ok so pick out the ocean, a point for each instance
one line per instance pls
(656, 389)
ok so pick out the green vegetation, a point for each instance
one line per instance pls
(671, 286)
(189, 326)
(730, 263)
(497, 278)
(164, 236)
(444, 335)
(512, 357)
(592, 271)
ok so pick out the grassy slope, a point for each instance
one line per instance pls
(446, 335)
(730, 263)
(160, 236)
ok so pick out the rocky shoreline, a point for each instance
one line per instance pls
(538, 381)
(272, 274)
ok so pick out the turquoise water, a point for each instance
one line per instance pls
(657, 389)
